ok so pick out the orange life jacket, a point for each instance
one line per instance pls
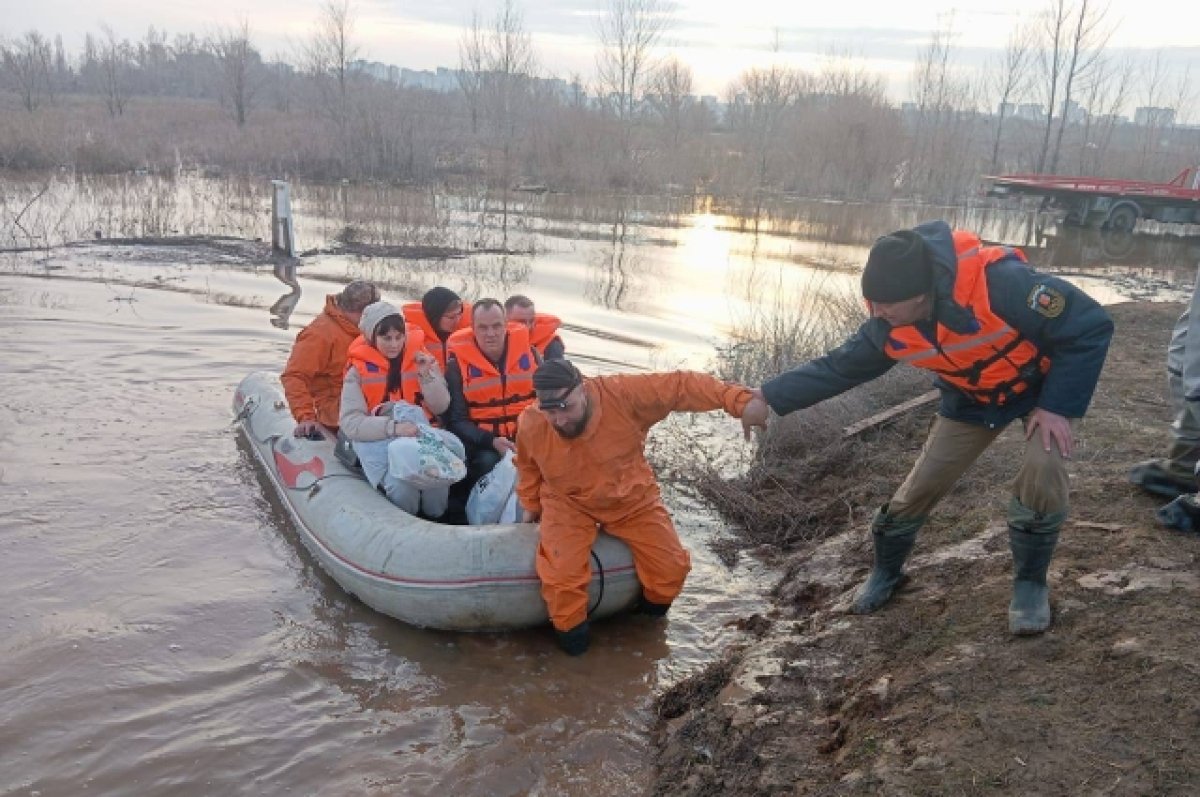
(545, 330)
(992, 364)
(373, 371)
(495, 398)
(414, 315)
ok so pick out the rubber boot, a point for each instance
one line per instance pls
(893, 538)
(1182, 514)
(575, 641)
(651, 608)
(1032, 537)
(1163, 477)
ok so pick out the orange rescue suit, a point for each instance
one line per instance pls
(544, 332)
(992, 364)
(602, 477)
(372, 369)
(312, 378)
(414, 315)
(496, 398)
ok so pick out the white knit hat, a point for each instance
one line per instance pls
(372, 314)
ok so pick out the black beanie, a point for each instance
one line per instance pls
(434, 303)
(898, 268)
(556, 375)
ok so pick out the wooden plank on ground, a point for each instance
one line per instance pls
(880, 418)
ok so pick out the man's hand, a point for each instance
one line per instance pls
(530, 517)
(755, 413)
(1053, 428)
(306, 429)
(503, 445)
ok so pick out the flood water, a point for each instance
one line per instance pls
(163, 630)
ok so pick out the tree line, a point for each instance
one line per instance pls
(635, 125)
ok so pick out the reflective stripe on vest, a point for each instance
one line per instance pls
(494, 398)
(992, 364)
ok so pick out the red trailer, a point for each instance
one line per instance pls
(1105, 203)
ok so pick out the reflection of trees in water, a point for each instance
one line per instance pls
(612, 272)
(470, 277)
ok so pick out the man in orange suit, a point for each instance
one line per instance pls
(581, 465)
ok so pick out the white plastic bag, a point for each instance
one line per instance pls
(428, 460)
(512, 510)
(491, 493)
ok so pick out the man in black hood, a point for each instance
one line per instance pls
(1005, 343)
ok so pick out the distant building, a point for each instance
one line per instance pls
(1035, 112)
(1076, 113)
(1149, 116)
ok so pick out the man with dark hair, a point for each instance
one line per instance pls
(1005, 342)
(543, 328)
(490, 377)
(581, 464)
(312, 378)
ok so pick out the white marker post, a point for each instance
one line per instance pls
(283, 234)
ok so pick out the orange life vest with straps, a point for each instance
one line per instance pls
(992, 364)
(414, 316)
(545, 330)
(495, 399)
(372, 369)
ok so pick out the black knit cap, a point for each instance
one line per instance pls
(435, 302)
(898, 268)
(555, 376)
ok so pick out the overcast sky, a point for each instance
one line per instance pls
(717, 38)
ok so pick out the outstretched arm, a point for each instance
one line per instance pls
(652, 397)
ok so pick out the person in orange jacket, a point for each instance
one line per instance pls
(581, 464)
(543, 327)
(312, 378)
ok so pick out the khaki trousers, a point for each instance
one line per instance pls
(1041, 483)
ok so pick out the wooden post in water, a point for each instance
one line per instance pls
(283, 234)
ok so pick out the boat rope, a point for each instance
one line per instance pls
(599, 597)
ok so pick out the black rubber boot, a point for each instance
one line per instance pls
(651, 608)
(893, 538)
(1032, 537)
(575, 641)
(1182, 514)
(1163, 477)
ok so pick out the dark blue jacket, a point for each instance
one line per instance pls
(1076, 341)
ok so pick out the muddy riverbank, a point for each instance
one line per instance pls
(931, 695)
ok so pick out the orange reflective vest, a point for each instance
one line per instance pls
(372, 369)
(414, 316)
(545, 330)
(992, 364)
(496, 397)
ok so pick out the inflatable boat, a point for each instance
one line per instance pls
(460, 578)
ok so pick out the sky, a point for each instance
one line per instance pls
(717, 38)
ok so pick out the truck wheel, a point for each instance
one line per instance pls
(1122, 218)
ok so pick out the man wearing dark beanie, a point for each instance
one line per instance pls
(581, 464)
(1005, 343)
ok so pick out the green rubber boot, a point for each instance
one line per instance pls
(1032, 538)
(893, 538)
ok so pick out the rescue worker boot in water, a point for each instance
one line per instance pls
(575, 641)
(893, 538)
(650, 608)
(1032, 536)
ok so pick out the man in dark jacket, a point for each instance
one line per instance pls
(1005, 342)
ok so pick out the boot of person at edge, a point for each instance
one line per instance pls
(1168, 478)
(650, 608)
(1032, 536)
(893, 538)
(575, 641)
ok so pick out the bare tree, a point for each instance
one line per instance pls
(629, 31)
(27, 64)
(240, 64)
(940, 122)
(115, 58)
(1105, 93)
(329, 54)
(1008, 79)
(471, 49)
(1087, 41)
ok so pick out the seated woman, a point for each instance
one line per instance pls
(438, 315)
(387, 364)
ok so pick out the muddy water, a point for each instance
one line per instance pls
(165, 633)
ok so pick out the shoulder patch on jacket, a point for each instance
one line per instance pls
(1046, 301)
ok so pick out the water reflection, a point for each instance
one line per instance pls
(281, 311)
